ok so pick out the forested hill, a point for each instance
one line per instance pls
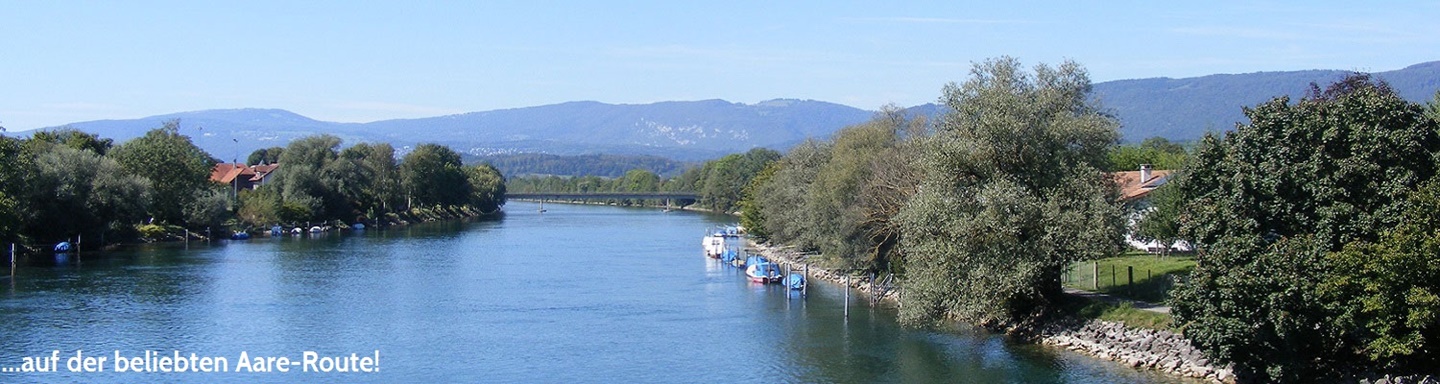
(1183, 109)
(1178, 109)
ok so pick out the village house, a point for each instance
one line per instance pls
(1135, 188)
(240, 176)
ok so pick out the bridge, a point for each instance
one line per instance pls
(604, 196)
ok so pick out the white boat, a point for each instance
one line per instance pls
(714, 245)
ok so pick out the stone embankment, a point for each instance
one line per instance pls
(1163, 351)
(1138, 348)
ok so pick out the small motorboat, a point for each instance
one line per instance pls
(760, 270)
(276, 231)
(63, 247)
(714, 245)
(242, 235)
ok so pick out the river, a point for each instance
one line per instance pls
(576, 294)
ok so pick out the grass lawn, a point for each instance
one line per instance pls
(1149, 283)
(1096, 309)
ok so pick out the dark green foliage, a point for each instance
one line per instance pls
(1011, 194)
(69, 137)
(838, 197)
(487, 187)
(77, 192)
(175, 167)
(1156, 151)
(1271, 202)
(265, 156)
(1161, 219)
(432, 175)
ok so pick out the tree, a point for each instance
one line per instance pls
(1160, 222)
(77, 192)
(299, 178)
(265, 155)
(176, 168)
(1269, 204)
(487, 187)
(41, 141)
(432, 175)
(377, 177)
(1010, 194)
(1156, 151)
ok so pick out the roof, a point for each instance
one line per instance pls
(1131, 187)
(225, 173)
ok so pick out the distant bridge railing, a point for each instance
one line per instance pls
(604, 196)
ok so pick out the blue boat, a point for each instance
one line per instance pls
(276, 231)
(795, 281)
(64, 247)
(760, 270)
(242, 235)
(729, 256)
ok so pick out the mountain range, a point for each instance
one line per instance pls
(1178, 109)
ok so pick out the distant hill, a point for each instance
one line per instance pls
(1178, 109)
(1183, 109)
(686, 130)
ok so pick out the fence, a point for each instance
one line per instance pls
(1122, 280)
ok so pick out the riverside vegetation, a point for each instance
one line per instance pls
(65, 184)
(1315, 223)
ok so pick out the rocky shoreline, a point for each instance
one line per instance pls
(1138, 348)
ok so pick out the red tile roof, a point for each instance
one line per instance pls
(1131, 187)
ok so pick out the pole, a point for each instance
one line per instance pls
(1130, 279)
(847, 295)
(1095, 273)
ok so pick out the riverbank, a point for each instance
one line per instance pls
(1138, 348)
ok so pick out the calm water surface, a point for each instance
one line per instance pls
(577, 294)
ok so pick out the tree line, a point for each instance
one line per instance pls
(720, 183)
(67, 184)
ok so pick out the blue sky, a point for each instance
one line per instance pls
(358, 61)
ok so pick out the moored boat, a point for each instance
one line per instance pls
(795, 281)
(714, 245)
(760, 270)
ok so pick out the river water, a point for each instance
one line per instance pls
(576, 294)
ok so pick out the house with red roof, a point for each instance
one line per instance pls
(241, 176)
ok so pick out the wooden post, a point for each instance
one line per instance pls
(847, 295)
(1095, 274)
(1130, 279)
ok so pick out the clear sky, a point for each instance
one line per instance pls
(359, 61)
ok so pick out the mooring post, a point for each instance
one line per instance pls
(847, 295)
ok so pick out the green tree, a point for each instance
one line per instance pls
(1159, 152)
(1160, 221)
(265, 155)
(1268, 204)
(432, 175)
(1011, 193)
(176, 168)
(487, 187)
(299, 179)
(77, 192)
(13, 185)
(41, 141)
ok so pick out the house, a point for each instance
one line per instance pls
(241, 176)
(1136, 185)
(1135, 188)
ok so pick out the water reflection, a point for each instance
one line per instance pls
(579, 293)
